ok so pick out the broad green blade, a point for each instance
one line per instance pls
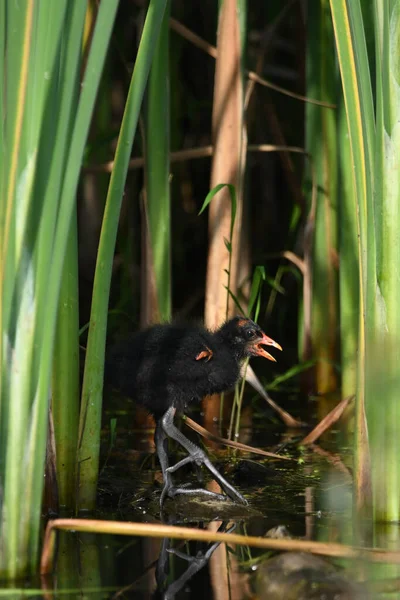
(90, 419)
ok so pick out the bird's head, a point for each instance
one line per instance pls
(246, 338)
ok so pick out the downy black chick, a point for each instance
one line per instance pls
(167, 367)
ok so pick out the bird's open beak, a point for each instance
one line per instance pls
(265, 341)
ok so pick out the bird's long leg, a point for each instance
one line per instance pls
(197, 456)
(161, 442)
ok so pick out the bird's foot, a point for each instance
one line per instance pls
(198, 457)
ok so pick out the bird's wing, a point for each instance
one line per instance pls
(205, 354)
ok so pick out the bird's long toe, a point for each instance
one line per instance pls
(226, 486)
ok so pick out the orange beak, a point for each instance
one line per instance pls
(265, 341)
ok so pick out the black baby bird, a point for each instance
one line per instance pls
(168, 367)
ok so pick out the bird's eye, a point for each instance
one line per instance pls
(250, 333)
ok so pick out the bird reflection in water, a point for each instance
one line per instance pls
(167, 587)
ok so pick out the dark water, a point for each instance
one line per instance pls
(308, 497)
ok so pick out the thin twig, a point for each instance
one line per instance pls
(286, 417)
(154, 530)
(191, 153)
(237, 445)
(331, 418)
(211, 50)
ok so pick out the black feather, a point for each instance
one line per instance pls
(158, 367)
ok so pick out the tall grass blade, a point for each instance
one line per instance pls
(90, 419)
(383, 354)
(374, 140)
(39, 177)
(322, 82)
(157, 168)
(349, 266)
(65, 376)
(353, 62)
